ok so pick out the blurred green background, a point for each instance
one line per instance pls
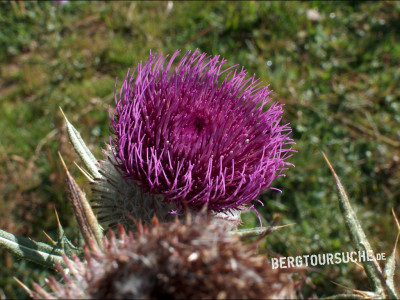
(335, 65)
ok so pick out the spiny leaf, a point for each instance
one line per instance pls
(356, 233)
(356, 294)
(81, 149)
(28, 249)
(32, 294)
(62, 242)
(250, 232)
(390, 266)
(30, 243)
(84, 172)
(49, 238)
(87, 221)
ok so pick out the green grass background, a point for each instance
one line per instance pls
(338, 77)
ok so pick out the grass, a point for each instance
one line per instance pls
(337, 76)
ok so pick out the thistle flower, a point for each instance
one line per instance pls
(60, 2)
(192, 136)
(191, 260)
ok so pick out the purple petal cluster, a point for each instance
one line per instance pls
(197, 133)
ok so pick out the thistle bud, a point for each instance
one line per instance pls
(196, 259)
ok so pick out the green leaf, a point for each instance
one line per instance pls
(63, 242)
(390, 266)
(87, 221)
(256, 231)
(360, 240)
(81, 149)
(353, 226)
(28, 249)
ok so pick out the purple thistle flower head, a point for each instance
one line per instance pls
(60, 2)
(198, 134)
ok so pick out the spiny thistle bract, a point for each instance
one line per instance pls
(191, 136)
(195, 259)
(118, 198)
